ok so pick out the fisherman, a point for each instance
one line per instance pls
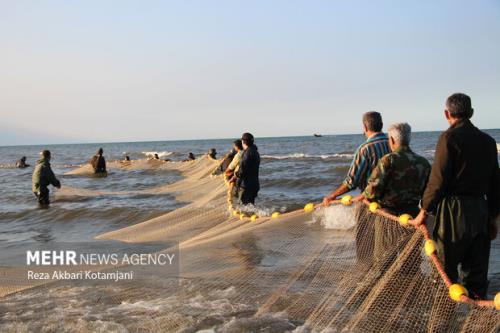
(21, 164)
(398, 181)
(212, 153)
(397, 184)
(233, 166)
(366, 157)
(247, 176)
(463, 192)
(99, 163)
(190, 157)
(43, 176)
(226, 160)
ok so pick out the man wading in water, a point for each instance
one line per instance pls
(43, 176)
(99, 163)
(247, 176)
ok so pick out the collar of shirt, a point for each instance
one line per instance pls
(376, 136)
(461, 123)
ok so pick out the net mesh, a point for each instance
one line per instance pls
(272, 274)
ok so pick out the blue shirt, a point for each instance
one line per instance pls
(365, 160)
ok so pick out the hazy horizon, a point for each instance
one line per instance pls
(208, 139)
(96, 72)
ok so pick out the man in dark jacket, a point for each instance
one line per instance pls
(463, 192)
(99, 163)
(247, 176)
(43, 176)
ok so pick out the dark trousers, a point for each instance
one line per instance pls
(461, 234)
(43, 197)
(247, 195)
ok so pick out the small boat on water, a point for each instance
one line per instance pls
(317, 135)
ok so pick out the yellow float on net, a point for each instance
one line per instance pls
(496, 300)
(235, 213)
(456, 291)
(403, 219)
(253, 218)
(373, 207)
(275, 215)
(429, 247)
(346, 200)
(242, 216)
(309, 207)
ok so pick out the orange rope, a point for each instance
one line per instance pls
(434, 258)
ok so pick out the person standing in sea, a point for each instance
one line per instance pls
(43, 176)
(99, 163)
(464, 194)
(247, 176)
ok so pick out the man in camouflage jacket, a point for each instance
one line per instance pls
(43, 176)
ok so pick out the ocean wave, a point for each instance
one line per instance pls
(308, 156)
(299, 182)
(160, 153)
(335, 217)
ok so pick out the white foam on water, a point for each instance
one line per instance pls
(273, 322)
(302, 155)
(160, 153)
(338, 217)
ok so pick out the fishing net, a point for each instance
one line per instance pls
(291, 272)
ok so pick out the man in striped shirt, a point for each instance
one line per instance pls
(366, 157)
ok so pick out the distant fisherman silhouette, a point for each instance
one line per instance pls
(190, 157)
(212, 153)
(43, 176)
(99, 163)
(21, 164)
(247, 176)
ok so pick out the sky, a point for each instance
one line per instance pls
(105, 71)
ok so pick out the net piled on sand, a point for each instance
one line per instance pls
(288, 273)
